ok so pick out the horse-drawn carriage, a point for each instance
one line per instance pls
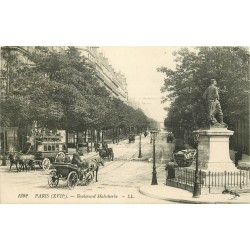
(72, 173)
(131, 138)
(40, 152)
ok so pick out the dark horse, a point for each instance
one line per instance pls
(22, 161)
(13, 161)
(108, 152)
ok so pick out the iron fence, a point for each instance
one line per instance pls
(185, 177)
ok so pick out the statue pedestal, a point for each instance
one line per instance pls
(213, 150)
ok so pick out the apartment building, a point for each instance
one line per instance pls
(114, 81)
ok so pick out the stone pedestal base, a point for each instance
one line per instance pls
(213, 150)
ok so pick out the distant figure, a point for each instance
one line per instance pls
(96, 146)
(67, 158)
(145, 134)
(238, 157)
(60, 158)
(211, 95)
(105, 146)
(170, 168)
(170, 137)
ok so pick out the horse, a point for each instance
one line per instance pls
(14, 160)
(89, 169)
(25, 161)
(94, 165)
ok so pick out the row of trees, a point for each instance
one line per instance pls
(61, 91)
(185, 85)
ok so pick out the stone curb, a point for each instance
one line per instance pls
(189, 201)
(168, 199)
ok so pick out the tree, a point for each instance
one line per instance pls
(185, 85)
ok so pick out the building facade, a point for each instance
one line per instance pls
(113, 81)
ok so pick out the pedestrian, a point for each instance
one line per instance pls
(238, 157)
(168, 137)
(171, 137)
(96, 146)
(105, 145)
(170, 168)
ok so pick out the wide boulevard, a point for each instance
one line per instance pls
(118, 180)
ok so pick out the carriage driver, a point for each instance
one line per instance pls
(105, 146)
(77, 160)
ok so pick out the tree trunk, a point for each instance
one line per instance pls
(91, 134)
(102, 136)
(113, 135)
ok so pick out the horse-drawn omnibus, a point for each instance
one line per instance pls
(40, 151)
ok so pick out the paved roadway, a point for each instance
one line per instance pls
(118, 181)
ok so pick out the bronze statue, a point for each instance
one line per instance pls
(211, 95)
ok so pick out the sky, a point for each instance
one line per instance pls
(139, 65)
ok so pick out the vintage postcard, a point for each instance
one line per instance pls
(124, 125)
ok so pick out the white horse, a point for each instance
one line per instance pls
(90, 169)
(94, 165)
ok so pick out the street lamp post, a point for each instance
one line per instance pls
(4, 149)
(197, 188)
(140, 156)
(154, 173)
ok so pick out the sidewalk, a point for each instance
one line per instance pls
(178, 195)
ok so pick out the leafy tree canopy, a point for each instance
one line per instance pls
(185, 85)
(61, 91)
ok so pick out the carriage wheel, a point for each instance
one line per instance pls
(89, 177)
(53, 179)
(60, 155)
(72, 180)
(46, 163)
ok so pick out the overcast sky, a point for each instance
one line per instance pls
(139, 65)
